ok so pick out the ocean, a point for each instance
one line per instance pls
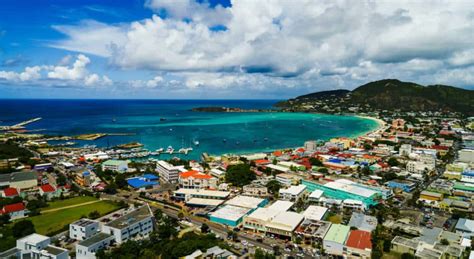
(162, 123)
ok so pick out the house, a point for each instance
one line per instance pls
(9, 193)
(15, 211)
(406, 186)
(136, 223)
(35, 246)
(335, 239)
(196, 180)
(120, 166)
(465, 227)
(254, 189)
(403, 245)
(87, 248)
(293, 193)
(83, 229)
(49, 191)
(359, 244)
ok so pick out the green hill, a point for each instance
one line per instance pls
(390, 94)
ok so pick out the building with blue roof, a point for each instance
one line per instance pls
(143, 182)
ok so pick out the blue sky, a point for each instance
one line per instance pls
(218, 49)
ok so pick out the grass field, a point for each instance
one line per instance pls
(68, 202)
(54, 221)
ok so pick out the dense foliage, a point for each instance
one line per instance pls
(239, 175)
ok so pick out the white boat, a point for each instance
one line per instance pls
(170, 150)
(160, 150)
(196, 142)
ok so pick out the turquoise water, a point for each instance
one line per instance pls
(217, 133)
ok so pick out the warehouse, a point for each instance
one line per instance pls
(335, 238)
(247, 202)
(258, 219)
(229, 215)
(284, 224)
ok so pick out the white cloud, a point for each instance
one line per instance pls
(152, 83)
(74, 75)
(305, 44)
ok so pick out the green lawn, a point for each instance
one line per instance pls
(69, 202)
(57, 220)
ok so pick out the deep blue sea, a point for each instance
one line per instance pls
(217, 133)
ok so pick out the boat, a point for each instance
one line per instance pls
(224, 140)
(170, 150)
(160, 150)
(162, 119)
(196, 142)
(265, 139)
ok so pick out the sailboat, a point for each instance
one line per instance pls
(196, 142)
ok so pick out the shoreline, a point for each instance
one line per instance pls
(381, 124)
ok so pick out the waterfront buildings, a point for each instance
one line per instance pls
(120, 166)
(168, 172)
(196, 180)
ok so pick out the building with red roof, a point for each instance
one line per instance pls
(260, 162)
(49, 191)
(196, 180)
(359, 244)
(15, 211)
(10, 192)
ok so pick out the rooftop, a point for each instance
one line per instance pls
(314, 228)
(23, 176)
(359, 239)
(316, 194)
(280, 205)
(315, 212)
(230, 212)
(220, 194)
(363, 222)
(286, 220)
(204, 202)
(337, 233)
(413, 244)
(245, 201)
(54, 250)
(94, 239)
(115, 162)
(131, 218)
(34, 238)
(293, 190)
(84, 222)
(349, 188)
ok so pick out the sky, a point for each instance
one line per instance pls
(228, 49)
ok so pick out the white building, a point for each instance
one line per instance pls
(258, 219)
(168, 172)
(466, 155)
(86, 249)
(353, 204)
(285, 179)
(315, 212)
(187, 194)
(83, 229)
(246, 202)
(311, 145)
(419, 167)
(405, 150)
(315, 196)
(293, 193)
(196, 180)
(284, 224)
(219, 174)
(38, 247)
(136, 223)
(116, 165)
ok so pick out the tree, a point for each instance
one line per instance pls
(407, 256)
(323, 170)
(260, 254)
(94, 214)
(23, 228)
(239, 175)
(61, 180)
(4, 219)
(204, 228)
(121, 181)
(315, 162)
(273, 186)
(444, 242)
(393, 161)
(111, 188)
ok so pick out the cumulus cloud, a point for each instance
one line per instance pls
(74, 75)
(326, 44)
